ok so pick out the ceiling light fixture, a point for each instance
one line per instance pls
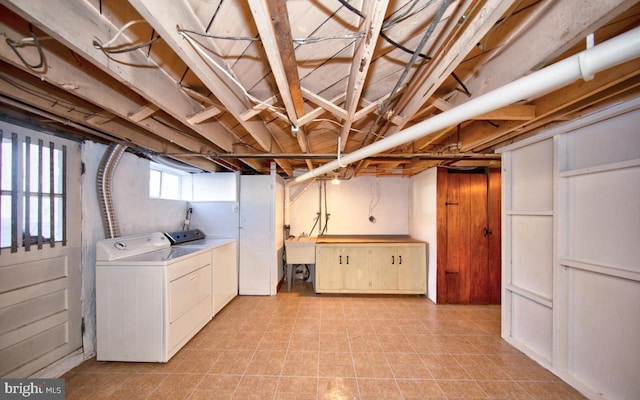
(335, 180)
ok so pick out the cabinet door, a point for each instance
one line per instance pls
(225, 275)
(412, 268)
(383, 268)
(328, 270)
(354, 260)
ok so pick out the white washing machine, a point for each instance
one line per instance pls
(151, 297)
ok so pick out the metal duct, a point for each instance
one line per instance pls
(104, 177)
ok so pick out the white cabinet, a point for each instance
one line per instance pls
(371, 268)
(225, 275)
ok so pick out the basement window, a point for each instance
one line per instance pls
(166, 182)
(33, 195)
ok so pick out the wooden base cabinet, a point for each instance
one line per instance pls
(371, 268)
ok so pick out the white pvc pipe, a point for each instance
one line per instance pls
(584, 65)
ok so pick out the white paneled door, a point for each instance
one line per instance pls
(40, 281)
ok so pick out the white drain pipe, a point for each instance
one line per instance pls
(584, 65)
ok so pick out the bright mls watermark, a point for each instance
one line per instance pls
(38, 389)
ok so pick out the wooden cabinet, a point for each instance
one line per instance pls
(371, 268)
(412, 268)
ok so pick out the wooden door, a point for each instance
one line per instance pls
(469, 237)
(40, 261)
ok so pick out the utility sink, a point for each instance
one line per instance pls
(301, 250)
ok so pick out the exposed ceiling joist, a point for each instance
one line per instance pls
(374, 12)
(272, 20)
(76, 25)
(558, 27)
(143, 113)
(430, 78)
(273, 77)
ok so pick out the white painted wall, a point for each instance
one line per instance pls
(349, 206)
(423, 222)
(136, 213)
(571, 269)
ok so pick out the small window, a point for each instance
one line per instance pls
(166, 183)
(33, 191)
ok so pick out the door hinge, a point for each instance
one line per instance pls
(82, 327)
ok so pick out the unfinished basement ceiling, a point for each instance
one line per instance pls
(235, 85)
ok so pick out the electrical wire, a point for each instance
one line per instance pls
(14, 46)
(425, 57)
(208, 35)
(409, 65)
(352, 9)
(120, 50)
(107, 47)
(375, 199)
(200, 50)
(407, 14)
(316, 39)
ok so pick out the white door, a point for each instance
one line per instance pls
(40, 281)
(257, 241)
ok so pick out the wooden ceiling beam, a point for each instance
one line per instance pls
(100, 118)
(272, 19)
(565, 24)
(448, 57)
(330, 106)
(115, 127)
(76, 24)
(553, 106)
(514, 112)
(204, 115)
(258, 108)
(143, 113)
(91, 86)
(167, 17)
(318, 111)
(374, 12)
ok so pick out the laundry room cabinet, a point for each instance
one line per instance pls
(371, 267)
(225, 274)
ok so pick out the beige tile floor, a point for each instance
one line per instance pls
(299, 346)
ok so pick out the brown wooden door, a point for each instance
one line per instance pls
(469, 237)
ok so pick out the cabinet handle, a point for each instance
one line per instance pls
(393, 260)
(340, 259)
(347, 260)
(399, 259)
(193, 278)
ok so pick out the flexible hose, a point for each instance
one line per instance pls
(104, 178)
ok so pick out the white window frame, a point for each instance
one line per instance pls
(164, 172)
